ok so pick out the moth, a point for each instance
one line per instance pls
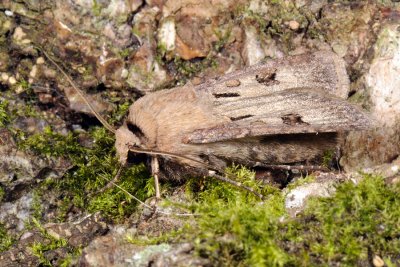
(285, 111)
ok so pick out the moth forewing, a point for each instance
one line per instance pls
(283, 111)
(322, 69)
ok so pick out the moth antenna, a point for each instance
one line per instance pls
(212, 171)
(234, 183)
(79, 92)
(111, 182)
(169, 154)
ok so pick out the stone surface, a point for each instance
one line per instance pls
(381, 95)
(14, 215)
(389, 171)
(77, 233)
(322, 186)
(114, 250)
(383, 79)
(349, 28)
(18, 168)
(145, 73)
(252, 50)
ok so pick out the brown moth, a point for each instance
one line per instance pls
(284, 111)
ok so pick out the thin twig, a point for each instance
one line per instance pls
(168, 154)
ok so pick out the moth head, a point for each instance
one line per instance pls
(128, 136)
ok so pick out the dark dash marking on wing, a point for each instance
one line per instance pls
(293, 119)
(226, 95)
(241, 117)
(267, 77)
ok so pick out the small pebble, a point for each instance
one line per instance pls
(294, 25)
(18, 33)
(9, 13)
(19, 89)
(45, 98)
(81, 69)
(26, 41)
(396, 180)
(395, 168)
(4, 76)
(33, 71)
(124, 74)
(40, 60)
(12, 80)
(377, 261)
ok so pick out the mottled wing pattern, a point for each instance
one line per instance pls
(302, 94)
(298, 110)
(322, 69)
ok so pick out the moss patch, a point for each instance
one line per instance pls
(4, 117)
(356, 224)
(6, 240)
(93, 167)
(50, 243)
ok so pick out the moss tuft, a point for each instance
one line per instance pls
(93, 167)
(50, 243)
(4, 116)
(6, 240)
(349, 228)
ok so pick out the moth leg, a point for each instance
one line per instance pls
(155, 169)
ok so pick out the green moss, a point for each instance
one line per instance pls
(187, 69)
(161, 52)
(115, 203)
(223, 37)
(96, 8)
(258, 19)
(37, 208)
(25, 90)
(50, 242)
(327, 158)
(236, 225)
(124, 53)
(69, 259)
(272, 22)
(234, 228)
(151, 240)
(6, 240)
(52, 144)
(119, 113)
(301, 181)
(357, 221)
(4, 115)
(93, 168)
(2, 194)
